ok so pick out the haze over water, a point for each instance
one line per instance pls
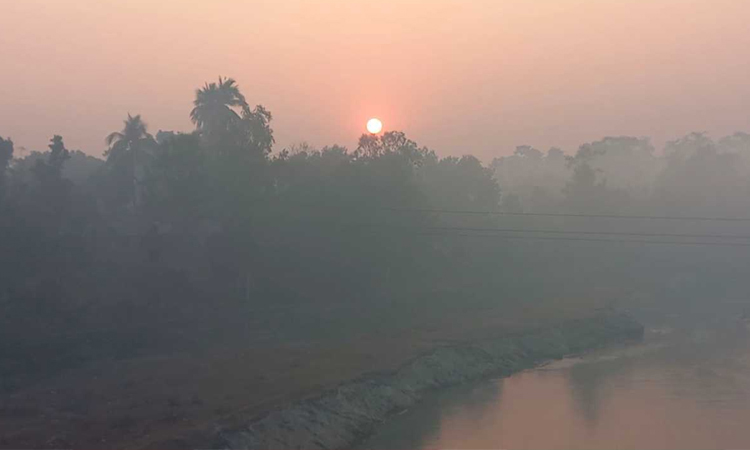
(692, 392)
(461, 76)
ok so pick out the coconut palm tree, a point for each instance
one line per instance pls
(215, 107)
(128, 147)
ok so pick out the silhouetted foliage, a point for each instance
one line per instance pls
(214, 111)
(128, 154)
(6, 154)
(190, 231)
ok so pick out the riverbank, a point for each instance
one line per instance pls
(265, 361)
(693, 382)
(342, 416)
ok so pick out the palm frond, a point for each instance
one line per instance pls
(113, 137)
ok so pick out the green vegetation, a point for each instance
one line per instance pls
(210, 249)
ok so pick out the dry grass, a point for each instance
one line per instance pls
(150, 401)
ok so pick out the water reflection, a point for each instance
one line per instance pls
(690, 394)
(586, 390)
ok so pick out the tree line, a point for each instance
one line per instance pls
(209, 225)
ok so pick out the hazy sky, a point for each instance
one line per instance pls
(461, 76)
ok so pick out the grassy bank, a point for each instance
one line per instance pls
(245, 364)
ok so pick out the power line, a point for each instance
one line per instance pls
(615, 241)
(596, 216)
(599, 233)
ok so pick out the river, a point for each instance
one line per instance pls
(677, 390)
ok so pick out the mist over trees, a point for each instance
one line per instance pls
(193, 231)
(692, 175)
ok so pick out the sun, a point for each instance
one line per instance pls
(374, 126)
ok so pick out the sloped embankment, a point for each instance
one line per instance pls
(340, 417)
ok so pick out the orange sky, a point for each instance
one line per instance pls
(461, 76)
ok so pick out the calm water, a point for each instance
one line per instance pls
(675, 391)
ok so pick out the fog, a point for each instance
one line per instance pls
(474, 77)
(179, 247)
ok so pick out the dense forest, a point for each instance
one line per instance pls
(177, 239)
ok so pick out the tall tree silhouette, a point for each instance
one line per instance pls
(6, 154)
(128, 148)
(214, 113)
(53, 188)
(58, 153)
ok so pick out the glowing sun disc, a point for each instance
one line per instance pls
(374, 126)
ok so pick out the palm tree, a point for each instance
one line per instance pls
(127, 146)
(214, 111)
